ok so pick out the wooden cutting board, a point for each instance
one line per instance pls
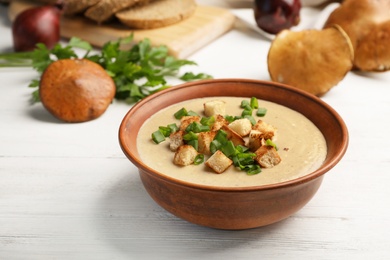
(182, 39)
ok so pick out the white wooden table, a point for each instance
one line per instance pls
(68, 192)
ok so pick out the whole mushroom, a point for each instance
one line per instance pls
(367, 23)
(76, 90)
(311, 60)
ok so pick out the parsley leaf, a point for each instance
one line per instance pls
(189, 76)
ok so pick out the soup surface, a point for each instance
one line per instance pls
(301, 146)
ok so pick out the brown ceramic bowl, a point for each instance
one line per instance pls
(244, 207)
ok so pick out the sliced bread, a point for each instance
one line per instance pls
(77, 6)
(157, 13)
(105, 9)
(70, 7)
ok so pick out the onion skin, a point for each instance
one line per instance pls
(36, 25)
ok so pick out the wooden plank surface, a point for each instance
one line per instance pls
(182, 39)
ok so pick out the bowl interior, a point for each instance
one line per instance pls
(322, 115)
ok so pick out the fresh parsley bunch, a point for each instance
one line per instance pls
(137, 72)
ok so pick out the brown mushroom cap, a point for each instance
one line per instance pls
(367, 24)
(76, 90)
(312, 60)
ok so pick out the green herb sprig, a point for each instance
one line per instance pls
(138, 71)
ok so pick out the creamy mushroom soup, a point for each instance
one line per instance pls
(300, 143)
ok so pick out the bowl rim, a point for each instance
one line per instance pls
(297, 181)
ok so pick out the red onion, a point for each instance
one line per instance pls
(36, 25)
(275, 15)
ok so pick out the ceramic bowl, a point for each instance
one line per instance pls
(225, 207)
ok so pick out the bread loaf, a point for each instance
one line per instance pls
(157, 13)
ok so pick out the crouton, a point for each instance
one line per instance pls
(218, 123)
(268, 131)
(204, 140)
(233, 136)
(241, 126)
(214, 107)
(185, 121)
(176, 140)
(255, 140)
(185, 155)
(267, 156)
(219, 162)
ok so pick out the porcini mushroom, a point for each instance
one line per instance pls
(312, 60)
(76, 90)
(367, 24)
